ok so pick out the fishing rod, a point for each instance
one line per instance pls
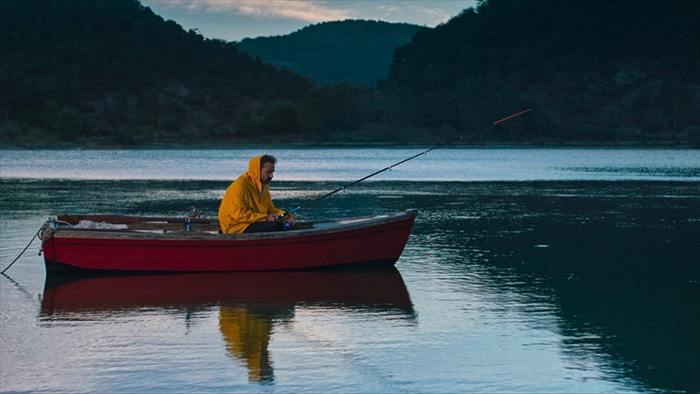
(494, 124)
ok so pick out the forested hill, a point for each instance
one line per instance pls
(354, 51)
(113, 73)
(613, 70)
(112, 70)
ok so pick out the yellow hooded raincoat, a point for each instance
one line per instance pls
(246, 201)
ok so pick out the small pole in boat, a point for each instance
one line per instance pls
(494, 124)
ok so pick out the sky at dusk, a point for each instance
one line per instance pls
(233, 20)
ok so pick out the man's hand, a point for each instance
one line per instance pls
(285, 217)
(291, 219)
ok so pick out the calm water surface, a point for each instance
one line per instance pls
(527, 270)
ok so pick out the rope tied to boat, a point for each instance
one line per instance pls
(45, 233)
(36, 235)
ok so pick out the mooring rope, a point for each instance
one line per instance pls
(21, 253)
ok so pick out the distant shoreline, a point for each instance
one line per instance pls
(352, 145)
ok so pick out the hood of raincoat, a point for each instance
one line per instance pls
(254, 172)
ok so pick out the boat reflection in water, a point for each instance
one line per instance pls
(249, 302)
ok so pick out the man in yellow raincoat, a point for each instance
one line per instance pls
(247, 206)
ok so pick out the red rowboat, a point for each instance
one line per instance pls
(155, 244)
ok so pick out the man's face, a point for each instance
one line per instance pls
(267, 172)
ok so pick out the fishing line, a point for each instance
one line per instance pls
(342, 188)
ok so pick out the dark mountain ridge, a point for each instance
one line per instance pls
(111, 72)
(618, 70)
(353, 51)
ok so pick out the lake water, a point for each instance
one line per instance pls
(527, 270)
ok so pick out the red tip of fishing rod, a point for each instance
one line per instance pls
(511, 116)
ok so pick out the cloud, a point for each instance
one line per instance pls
(428, 13)
(312, 11)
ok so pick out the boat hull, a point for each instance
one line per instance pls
(366, 242)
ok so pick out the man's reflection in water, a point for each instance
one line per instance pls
(247, 332)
